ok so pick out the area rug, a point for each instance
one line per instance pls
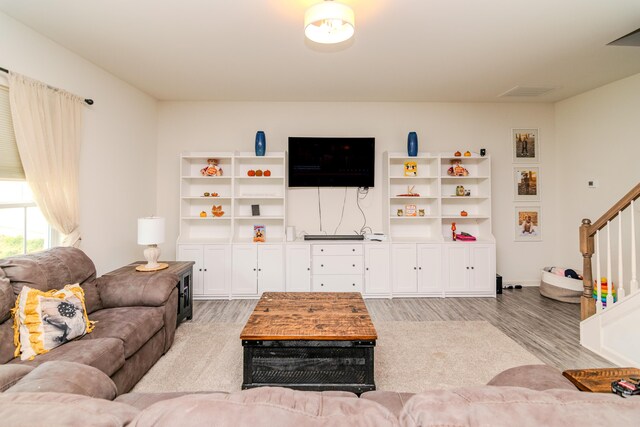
(409, 356)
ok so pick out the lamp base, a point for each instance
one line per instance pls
(161, 266)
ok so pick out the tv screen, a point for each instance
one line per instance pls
(331, 162)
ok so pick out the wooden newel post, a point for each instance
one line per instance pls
(587, 303)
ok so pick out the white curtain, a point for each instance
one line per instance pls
(47, 123)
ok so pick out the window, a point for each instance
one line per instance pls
(23, 228)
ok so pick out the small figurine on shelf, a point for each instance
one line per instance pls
(457, 154)
(421, 212)
(259, 233)
(251, 172)
(258, 172)
(467, 153)
(410, 210)
(217, 211)
(457, 169)
(206, 194)
(203, 214)
(212, 169)
(463, 213)
(410, 192)
(215, 195)
(400, 212)
(410, 169)
(460, 190)
(453, 231)
(267, 173)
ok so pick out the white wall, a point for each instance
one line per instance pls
(226, 126)
(598, 134)
(118, 172)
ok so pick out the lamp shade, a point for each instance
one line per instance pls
(329, 22)
(150, 230)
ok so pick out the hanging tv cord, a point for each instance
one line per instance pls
(361, 194)
(344, 202)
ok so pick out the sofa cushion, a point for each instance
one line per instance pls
(7, 298)
(11, 374)
(67, 377)
(534, 377)
(62, 409)
(105, 354)
(50, 269)
(516, 406)
(134, 326)
(45, 320)
(265, 406)
(391, 400)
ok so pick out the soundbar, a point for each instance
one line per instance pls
(333, 237)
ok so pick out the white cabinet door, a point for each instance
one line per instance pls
(217, 270)
(404, 268)
(376, 271)
(194, 253)
(298, 264)
(482, 277)
(456, 267)
(429, 266)
(245, 270)
(270, 268)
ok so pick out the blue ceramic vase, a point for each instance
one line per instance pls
(412, 144)
(261, 143)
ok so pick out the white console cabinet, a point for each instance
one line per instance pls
(377, 273)
(257, 269)
(298, 265)
(469, 269)
(337, 268)
(416, 269)
(212, 268)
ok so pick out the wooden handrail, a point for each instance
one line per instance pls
(587, 249)
(615, 209)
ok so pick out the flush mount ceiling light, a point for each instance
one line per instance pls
(329, 22)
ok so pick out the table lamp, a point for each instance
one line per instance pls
(151, 233)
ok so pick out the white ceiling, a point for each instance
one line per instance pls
(403, 50)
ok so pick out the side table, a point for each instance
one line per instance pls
(598, 380)
(184, 270)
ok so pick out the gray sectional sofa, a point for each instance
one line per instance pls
(135, 317)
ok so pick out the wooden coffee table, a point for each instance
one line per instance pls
(599, 380)
(309, 341)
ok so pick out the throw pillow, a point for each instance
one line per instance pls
(45, 320)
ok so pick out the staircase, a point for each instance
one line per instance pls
(610, 321)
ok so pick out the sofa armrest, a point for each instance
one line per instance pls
(151, 290)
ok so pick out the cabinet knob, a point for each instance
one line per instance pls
(419, 268)
(321, 250)
(467, 268)
(367, 269)
(353, 284)
(321, 265)
(199, 269)
(414, 268)
(353, 250)
(353, 265)
(255, 269)
(205, 269)
(308, 269)
(472, 268)
(321, 284)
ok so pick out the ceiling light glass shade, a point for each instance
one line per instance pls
(329, 22)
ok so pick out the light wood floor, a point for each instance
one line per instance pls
(546, 328)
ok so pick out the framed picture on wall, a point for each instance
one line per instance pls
(528, 225)
(526, 180)
(525, 144)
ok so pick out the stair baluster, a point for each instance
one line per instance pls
(633, 287)
(598, 275)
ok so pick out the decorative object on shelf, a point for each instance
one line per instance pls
(459, 190)
(457, 154)
(483, 152)
(526, 183)
(465, 237)
(525, 145)
(453, 231)
(259, 233)
(206, 194)
(215, 195)
(467, 153)
(400, 212)
(467, 192)
(212, 169)
(410, 192)
(463, 213)
(267, 172)
(421, 212)
(203, 214)
(412, 144)
(261, 143)
(255, 210)
(217, 211)
(410, 169)
(457, 169)
(527, 219)
(258, 172)
(329, 22)
(151, 233)
(251, 172)
(410, 210)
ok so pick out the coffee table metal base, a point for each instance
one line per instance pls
(309, 365)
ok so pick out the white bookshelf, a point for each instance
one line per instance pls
(237, 191)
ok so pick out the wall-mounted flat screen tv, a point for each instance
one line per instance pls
(331, 161)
